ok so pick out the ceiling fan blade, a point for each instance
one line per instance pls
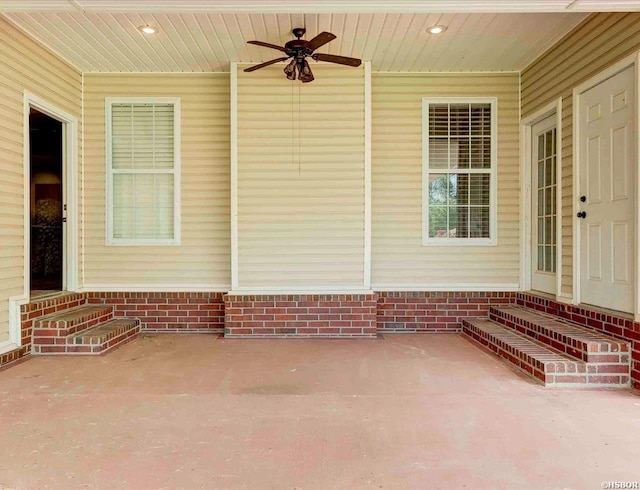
(267, 63)
(341, 60)
(320, 40)
(268, 45)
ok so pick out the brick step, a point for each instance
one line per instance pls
(48, 305)
(104, 337)
(95, 340)
(574, 340)
(68, 322)
(552, 368)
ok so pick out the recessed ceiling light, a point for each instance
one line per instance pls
(436, 29)
(148, 29)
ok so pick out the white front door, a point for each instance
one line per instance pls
(543, 200)
(607, 192)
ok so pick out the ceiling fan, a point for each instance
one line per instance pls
(299, 50)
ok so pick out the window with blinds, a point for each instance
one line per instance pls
(143, 171)
(459, 148)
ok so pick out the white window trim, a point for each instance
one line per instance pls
(110, 240)
(493, 190)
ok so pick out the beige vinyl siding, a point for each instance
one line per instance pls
(203, 258)
(301, 179)
(398, 257)
(24, 65)
(597, 43)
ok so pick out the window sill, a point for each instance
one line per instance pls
(460, 242)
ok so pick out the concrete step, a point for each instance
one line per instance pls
(576, 341)
(550, 367)
(70, 321)
(104, 337)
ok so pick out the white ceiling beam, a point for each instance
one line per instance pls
(320, 6)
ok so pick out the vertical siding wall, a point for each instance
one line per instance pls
(597, 43)
(24, 65)
(301, 179)
(203, 258)
(398, 256)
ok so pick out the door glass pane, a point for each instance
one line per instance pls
(547, 259)
(540, 257)
(545, 201)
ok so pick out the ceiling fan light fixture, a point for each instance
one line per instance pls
(305, 75)
(147, 29)
(290, 70)
(438, 29)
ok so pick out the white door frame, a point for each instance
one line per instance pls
(69, 197)
(526, 125)
(633, 60)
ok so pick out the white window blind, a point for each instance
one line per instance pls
(143, 171)
(459, 148)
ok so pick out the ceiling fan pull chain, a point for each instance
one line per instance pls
(299, 136)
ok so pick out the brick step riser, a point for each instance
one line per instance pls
(52, 333)
(606, 353)
(36, 309)
(92, 349)
(106, 346)
(575, 375)
(101, 339)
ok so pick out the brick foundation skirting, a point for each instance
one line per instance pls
(167, 312)
(358, 315)
(314, 315)
(433, 311)
(608, 323)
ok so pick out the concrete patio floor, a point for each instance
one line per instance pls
(409, 411)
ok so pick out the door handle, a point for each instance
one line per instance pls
(582, 214)
(583, 198)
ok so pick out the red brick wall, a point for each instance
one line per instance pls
(433, 311)
(167, 312)
(332, 315)
(615, 326)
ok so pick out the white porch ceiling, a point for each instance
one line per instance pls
(207, 42)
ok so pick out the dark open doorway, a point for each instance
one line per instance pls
(46, 154)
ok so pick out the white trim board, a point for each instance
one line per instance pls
(554, 107)
(168, 288)
(70, 198)
(632, 60)
(296, 291)
(367, 174)
(234, 174)
(154, 288)
(326, 6)
(458, 287)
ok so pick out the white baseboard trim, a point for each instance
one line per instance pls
(565, 298)
(226, 288)
(8, 346)
(454, 287)
(154, 288)
(296, 291)
(15, 323)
